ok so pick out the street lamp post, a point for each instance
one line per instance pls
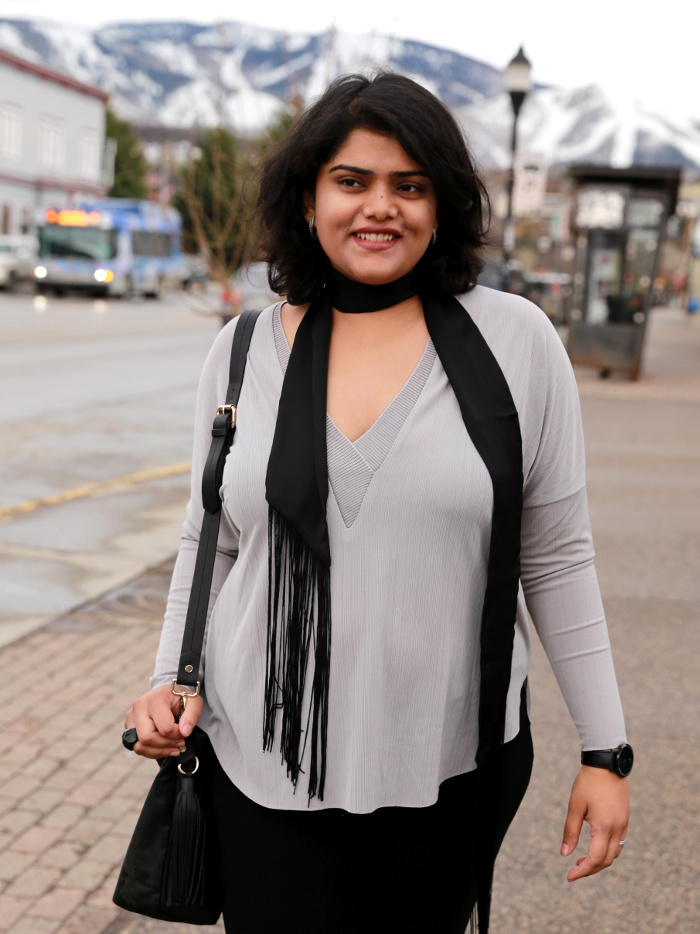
(518, 83)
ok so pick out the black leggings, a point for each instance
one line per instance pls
(398, 869)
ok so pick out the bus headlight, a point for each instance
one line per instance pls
(103, 275)
(40, 272)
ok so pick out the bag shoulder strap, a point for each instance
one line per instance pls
(223, 430)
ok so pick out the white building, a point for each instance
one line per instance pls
(52, 141)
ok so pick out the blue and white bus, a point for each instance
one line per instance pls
(112, 246)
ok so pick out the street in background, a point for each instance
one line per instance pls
(97, 401)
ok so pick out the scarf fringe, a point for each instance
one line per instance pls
(298, 623)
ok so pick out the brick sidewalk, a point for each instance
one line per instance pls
(70, 793)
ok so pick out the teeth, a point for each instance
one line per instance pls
(376, 238)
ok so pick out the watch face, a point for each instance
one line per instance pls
(625, 759)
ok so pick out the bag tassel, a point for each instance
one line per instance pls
(184, 874)
(298, 621)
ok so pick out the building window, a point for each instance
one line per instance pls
(10, 132)
(52, 143)
(89, 155)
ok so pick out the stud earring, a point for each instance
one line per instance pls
(434, 235)
(312, 230)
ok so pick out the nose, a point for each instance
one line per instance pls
(380, 203)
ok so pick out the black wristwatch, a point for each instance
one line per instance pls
(618, 760)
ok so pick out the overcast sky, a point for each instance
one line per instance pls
(643, 49)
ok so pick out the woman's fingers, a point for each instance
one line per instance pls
(573, 825)
(154, 720)
(620, 843)
(190, 716)
(600, 798)
(602, 850)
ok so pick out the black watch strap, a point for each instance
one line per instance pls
(616, 760)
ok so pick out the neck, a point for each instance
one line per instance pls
(350, 297)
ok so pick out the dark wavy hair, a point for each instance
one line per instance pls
(395, 106)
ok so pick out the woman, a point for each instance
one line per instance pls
(406, 482)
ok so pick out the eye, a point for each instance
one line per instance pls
(350, 183)
(411, 188)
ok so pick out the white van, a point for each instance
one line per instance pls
(18, 255)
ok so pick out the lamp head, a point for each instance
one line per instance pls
(518, 79)
(518, 73)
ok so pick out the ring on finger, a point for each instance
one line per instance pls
(622, 842)
(129, 739)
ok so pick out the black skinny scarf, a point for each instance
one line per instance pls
(299, 558)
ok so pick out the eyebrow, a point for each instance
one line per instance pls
(356, 170)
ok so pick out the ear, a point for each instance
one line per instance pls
(309, 204)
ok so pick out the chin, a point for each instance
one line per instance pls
(375, 276)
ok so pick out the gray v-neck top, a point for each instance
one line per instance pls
(409, 517)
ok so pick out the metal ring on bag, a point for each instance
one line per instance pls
(183, 772)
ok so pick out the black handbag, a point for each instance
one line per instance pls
(169, 871)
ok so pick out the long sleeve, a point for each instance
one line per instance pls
(562, 595)
(211, 393)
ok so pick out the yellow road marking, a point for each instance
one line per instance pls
(83, 492)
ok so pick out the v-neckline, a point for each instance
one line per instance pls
(353, 464)
(429, 353)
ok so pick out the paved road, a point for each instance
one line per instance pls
(91, 391)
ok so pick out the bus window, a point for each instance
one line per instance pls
(165, 247)
(142, 243)
(90, 242)
(149, 243)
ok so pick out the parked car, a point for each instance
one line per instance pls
(549, 290)
(493, 275)
(248, 288)
(194, 272)
(18, 255)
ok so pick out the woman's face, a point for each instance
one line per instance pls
(374, 207)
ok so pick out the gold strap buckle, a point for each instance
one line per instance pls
(225, 409)
(184, 695)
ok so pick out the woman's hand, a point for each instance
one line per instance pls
(602, 799)
(154, 717)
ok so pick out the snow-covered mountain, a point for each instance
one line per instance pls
(182, 75)
(581, 125)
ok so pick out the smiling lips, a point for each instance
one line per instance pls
(375, 237)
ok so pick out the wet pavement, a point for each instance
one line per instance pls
(70, 794)
(92, 394)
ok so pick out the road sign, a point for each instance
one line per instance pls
(530, 182)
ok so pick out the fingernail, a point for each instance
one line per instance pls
(565, 849)
(175, 752)
(185, 729)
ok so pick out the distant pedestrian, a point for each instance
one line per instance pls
(405, 484)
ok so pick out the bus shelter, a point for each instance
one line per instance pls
(620, 220)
